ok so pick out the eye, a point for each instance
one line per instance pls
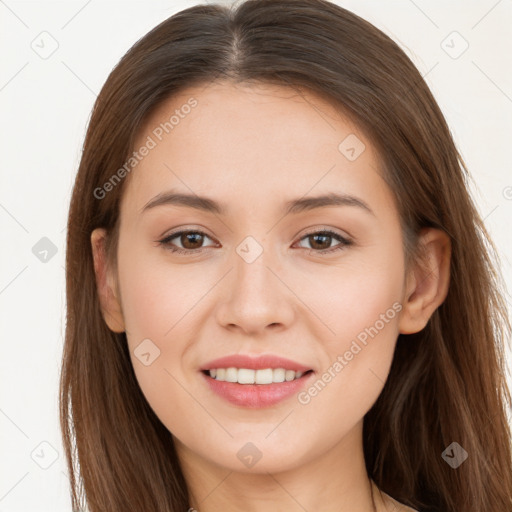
(191, 241)
(319, 239)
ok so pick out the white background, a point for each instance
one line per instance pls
(46, 105)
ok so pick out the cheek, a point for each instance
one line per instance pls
(367, 300)
(363, 312)
(361, 308)
(361, 293)
(156, 296)
(157, 303)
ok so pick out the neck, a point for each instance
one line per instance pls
(334, 481)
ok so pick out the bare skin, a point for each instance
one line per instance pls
(252, 149)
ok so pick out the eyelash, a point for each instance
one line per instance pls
(344, 242)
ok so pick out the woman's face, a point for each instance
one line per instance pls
(264, 280)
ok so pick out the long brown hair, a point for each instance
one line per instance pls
(447, 382)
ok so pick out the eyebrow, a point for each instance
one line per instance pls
(290, 207)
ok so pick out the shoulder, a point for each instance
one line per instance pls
(397, 506)
(400, 507)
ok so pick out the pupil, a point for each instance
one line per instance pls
(189, 237)
(321, 236)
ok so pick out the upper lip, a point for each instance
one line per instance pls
(255, 363)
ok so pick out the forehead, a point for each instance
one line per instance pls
(256, 141)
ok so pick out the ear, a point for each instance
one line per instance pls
(427, 281)
(106, 283)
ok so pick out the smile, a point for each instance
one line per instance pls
(264, 392)
(250, 376)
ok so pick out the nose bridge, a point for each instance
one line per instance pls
(252, 261)
(256, 297)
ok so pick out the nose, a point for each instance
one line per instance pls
(258, 296)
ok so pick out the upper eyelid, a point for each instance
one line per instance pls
(174, 234)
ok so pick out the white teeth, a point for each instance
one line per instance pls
(247, 376)
(279, 374)
(231, 375)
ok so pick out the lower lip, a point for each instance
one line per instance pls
(256, 395)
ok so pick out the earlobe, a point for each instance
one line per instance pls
(428, 281)
(105, 283)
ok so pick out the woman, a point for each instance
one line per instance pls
(213, 361)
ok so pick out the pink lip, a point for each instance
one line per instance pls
(256, 395)
(255, 363)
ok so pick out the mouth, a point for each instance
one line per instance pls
(247, 376)
(255, 389)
